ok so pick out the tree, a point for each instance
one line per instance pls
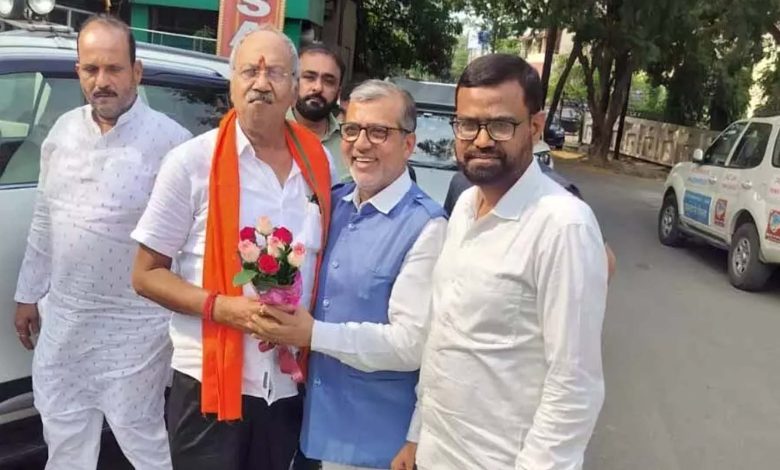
(502, 19)
(769, 83)
(394, 36)
(561, 77)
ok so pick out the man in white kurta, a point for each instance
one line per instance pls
(511, 375)
(102, 349)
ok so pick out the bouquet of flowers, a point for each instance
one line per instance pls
(271, 263)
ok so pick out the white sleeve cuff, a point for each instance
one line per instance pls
(325, 336)
(414, 426)
(155, 243)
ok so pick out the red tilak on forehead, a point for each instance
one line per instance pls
(261, 62)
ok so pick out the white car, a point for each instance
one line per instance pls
(38, 83)
(729, 196)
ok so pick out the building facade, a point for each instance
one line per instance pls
(192, 24)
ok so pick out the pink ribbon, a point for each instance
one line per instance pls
(288, 295)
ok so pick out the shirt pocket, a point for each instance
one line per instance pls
(312, 229)
(375, 282)
(492, 309)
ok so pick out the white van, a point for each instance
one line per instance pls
(729, 196)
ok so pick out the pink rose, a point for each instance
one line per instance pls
(249, 251)
(267, 264)
(299, 249)
(275, 247)
(295, 258)
(264, 226)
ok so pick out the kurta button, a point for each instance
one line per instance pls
(335, 264)
(326, 303)
(351, 226)
(317, 382)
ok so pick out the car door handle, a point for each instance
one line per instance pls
(747, 185)
(713, 180)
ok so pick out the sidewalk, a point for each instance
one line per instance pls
(625, 166)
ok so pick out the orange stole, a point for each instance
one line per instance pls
(223, 346)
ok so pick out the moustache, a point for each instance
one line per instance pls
(472, 154)
(104, 94)
(315, 97)
(265, 96)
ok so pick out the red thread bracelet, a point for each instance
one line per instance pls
(208, 306)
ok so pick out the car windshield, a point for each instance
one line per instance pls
(435, 140)
(36, 101)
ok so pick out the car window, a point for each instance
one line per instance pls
(26, 116)
(719, 151)
(198, 109)
(36, 101)
(776, 156)
(435, 140)
(752, 147)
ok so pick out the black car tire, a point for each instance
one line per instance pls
(669, 232)
(746, 271)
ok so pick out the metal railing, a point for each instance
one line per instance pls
(182, 41)
(69, 16)
(73, 17)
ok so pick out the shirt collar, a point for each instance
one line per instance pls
(135, 110)
(333, 124)
(245, 149)
(385, 200)
(512, 204)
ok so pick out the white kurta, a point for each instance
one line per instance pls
(101, 346)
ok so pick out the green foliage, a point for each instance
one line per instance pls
(575, 88)
(399, 35)
(769, 83)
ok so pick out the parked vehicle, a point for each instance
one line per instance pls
(39, 83)
(435, 138)
(554, 135)
(729, 196)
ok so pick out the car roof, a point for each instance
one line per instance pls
(768, 119)
(429, 96)
(47, 44)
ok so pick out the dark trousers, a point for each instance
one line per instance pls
(265, 439)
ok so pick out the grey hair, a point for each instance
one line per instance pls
(372, 90)
(270, 28)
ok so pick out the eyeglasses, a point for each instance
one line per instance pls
(273, 74)
(499, 130)
(350, 132)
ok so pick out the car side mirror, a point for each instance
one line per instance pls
(698, 156)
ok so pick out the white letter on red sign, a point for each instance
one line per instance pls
(256, 8)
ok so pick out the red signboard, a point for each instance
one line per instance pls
(239, 17)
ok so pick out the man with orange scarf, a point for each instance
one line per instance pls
(230, 406)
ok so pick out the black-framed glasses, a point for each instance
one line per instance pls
(499, 130)
(350, 132)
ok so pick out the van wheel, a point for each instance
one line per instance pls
(669, 223)
(746, 271)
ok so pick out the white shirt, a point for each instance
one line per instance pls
(511, 374)
(174, 225)
(398, 344)
(97, 331)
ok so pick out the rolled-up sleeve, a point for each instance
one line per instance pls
(398, 344)
(572, 288)
(168, 218)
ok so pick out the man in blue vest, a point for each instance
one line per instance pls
(369, 324)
